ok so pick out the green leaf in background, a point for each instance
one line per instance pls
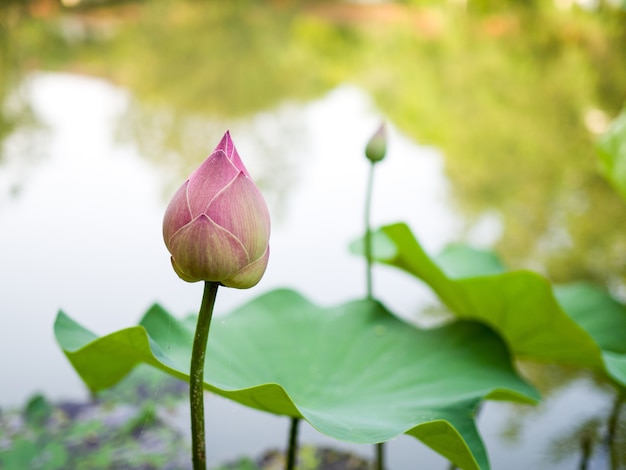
(577, 325)
(603, 317)
(20, 455)
(354, 372)
(611, 148)
(459, 261)
(37, 411)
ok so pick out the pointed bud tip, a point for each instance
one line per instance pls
(225, 142)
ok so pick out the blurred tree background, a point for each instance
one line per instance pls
(513, 93)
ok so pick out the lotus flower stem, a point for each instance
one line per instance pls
(586, 445)
(380, 455)
(612, 429)
(196, 375)
(292, 451)
(368, 232)
(375, 152)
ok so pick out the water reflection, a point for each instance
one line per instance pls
(21, 134)
(510, 89)
(579, 424)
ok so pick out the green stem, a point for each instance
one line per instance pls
(196, 375)
(380, 455)
(587, 448)
(368, 231)
(612, 430)
(293, 445)
(380, 447)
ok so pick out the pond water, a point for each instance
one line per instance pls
(82, 232)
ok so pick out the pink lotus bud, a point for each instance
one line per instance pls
(217, 226)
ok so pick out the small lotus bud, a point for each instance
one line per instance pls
(377, 146)
(217, 225)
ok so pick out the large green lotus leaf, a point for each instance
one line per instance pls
(355, 372)
(520, 305)
(612, 151)
(594, 309)
(577, 324)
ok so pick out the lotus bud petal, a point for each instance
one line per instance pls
(377, 145)
(217, 225)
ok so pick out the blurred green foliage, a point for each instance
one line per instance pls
(122, 428)
(612, 152)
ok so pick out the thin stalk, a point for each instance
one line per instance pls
(292, 451)
(196, 375)
(380, 455)
(586, 445)
(380, 447)
(612, 430)
(368, 232)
